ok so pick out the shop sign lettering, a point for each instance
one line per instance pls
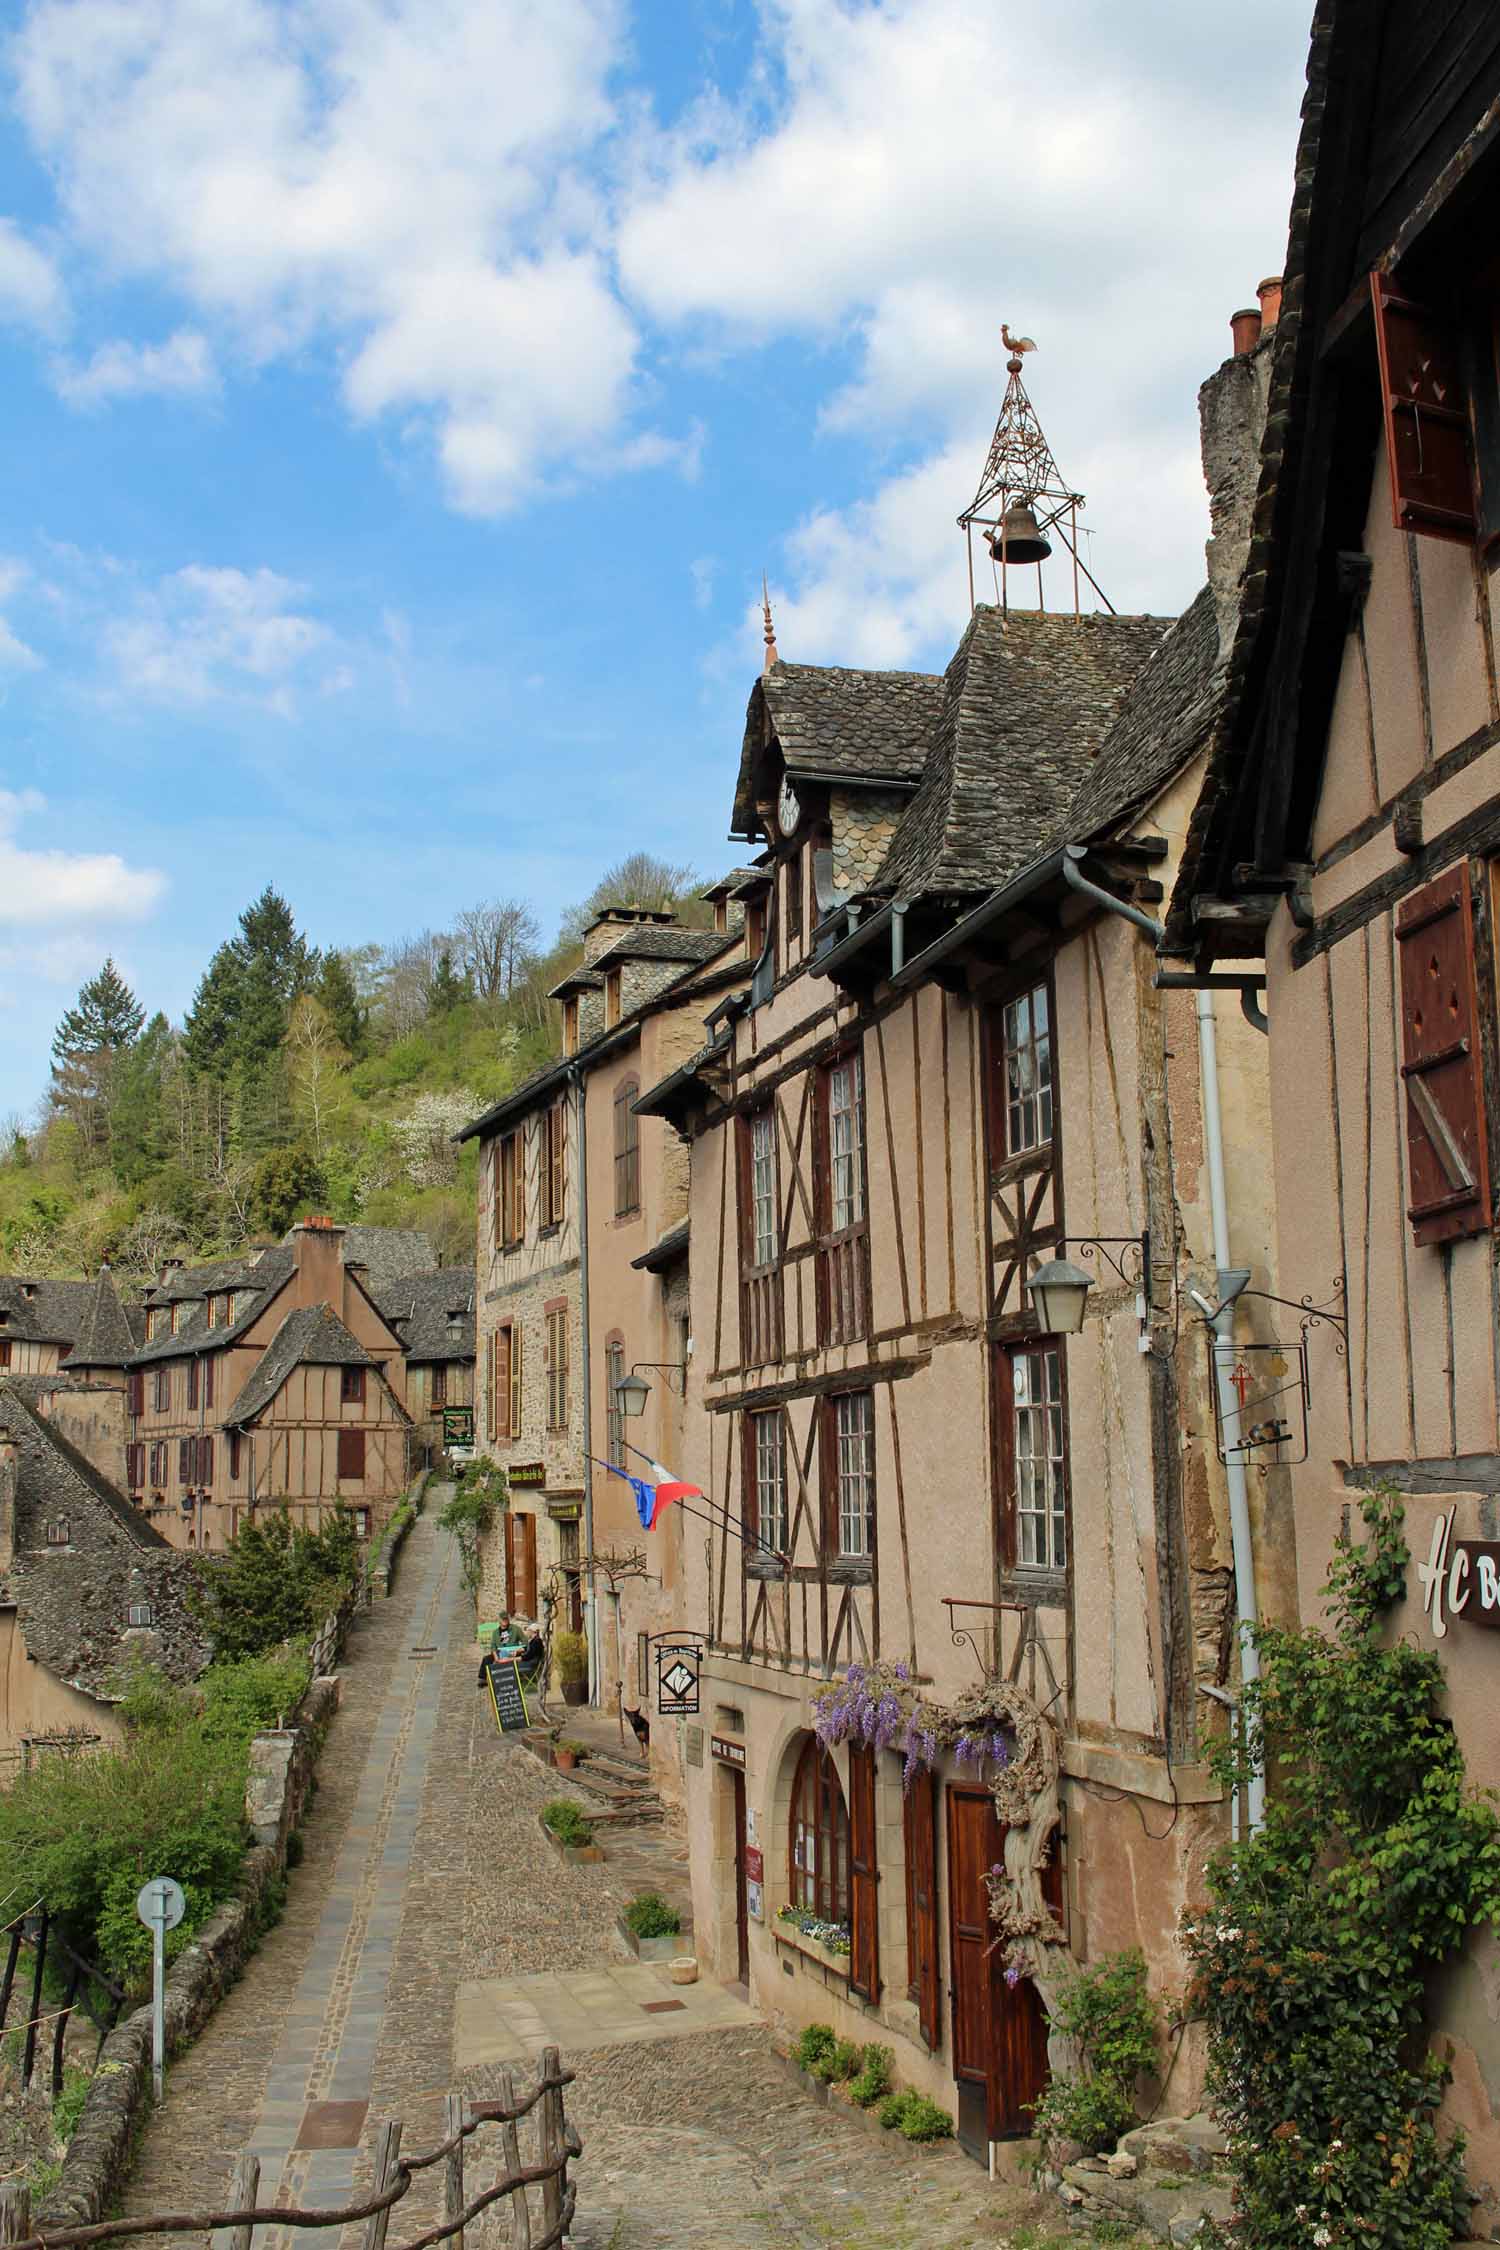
(1460, 1578)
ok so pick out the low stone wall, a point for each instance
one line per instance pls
(119, 2100)
(378, 1577)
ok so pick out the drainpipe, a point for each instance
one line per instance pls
(898, 935)
(591, 1603)
(1074, 877)
(1222, 1325)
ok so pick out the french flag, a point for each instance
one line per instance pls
(668, 1489)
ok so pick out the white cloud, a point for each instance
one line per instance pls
(204, 633)
(31, 290)
(399, 177)
(182, 367)
(40, 889)
(15, 655)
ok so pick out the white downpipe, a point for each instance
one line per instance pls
(1224, 1360)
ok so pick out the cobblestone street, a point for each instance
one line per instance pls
(424, 1873)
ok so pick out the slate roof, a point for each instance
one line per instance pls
(418, 1308)
(665, 1251)
(55, 1476)
(104, 1338)
(46, 1311)
(1024, 704)
(212, 1278)
(388, 1253)
(1165, 719)
(651, 942)
(859, 727)
(262, 1277)
(310, 1336)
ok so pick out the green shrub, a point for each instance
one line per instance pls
(481, 1492)
(837, 2063)
(570, 1653)
(1110, 2017)
(922, 2120)
(567, 1823)
(873, 2081)
(814, 2044)
(68, 2106)
(892, 2110)
(276, 1581)
(648, 1915)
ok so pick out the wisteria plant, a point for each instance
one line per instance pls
(880, 1705)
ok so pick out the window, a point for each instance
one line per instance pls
(627, 1149)
(846, 1142)
(135, 1393)
(768, 1515)
(763, 1188)
(611, 998)
(212, 1311)
(162, 1390)
(721, 917)
(234, 1453)
(557, 1367)
(1447, 1146)
(554, 1164)
(192, 1384)
(843, 1271)
(59, 1532)
(140, 1614)
(187, 1459)
(818, 1870)
(517, 1356)
(510, 1207)
(614, 1412)
(755, 925)
(351, 1386)
(208, 1382)
(362, 1523)
(172, 1320)
(1027, 1068)
(1038, 1469)
(351, 1464)
(794, 902)
(852, 1499)
(570, 1027)
(5, 1351)
(437, 1387)
(205, 1461)
(159, 1465)
(135, 1467)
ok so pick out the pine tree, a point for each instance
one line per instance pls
(237, 1023)
(336, 996)
(447, 989)
(140, 1140)
(87, 1048)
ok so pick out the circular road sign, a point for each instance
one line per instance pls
(161, 1900)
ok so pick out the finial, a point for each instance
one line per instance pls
(772, 653)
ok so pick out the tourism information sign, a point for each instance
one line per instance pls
(677, 1679)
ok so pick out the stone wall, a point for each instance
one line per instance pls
(98, 2158)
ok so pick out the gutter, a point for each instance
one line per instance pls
(1014, 893)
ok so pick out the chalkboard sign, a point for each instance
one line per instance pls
(507, 1695)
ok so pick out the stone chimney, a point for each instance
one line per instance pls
(10, 1477)
(606, 927)
(318, 1247)
(1232, 420)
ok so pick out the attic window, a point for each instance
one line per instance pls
(570, 1027)
(352, 1386)
(721, 916)
(611, 998)
(59, 1532)
(4, 1319)
(213, 1312)
(28, 1289)
(140, 1613)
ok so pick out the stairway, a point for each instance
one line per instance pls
(619, 1784)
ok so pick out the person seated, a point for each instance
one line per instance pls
(533, 1657)
(510, 1636)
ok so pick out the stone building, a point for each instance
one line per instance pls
(88, 1588)
(1344, 846)
(42, 1322)
(574, 1188)
(952, 1070)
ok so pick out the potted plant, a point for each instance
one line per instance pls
(571, 1654)
(652, 1928)
(566, 1754)
(569, 1831)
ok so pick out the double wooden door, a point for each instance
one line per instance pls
(520, 1562)
(999, 2031)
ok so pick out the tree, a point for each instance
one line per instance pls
(87, 1048)
(493, 941)
(448, 990)
(338, 997)
(288, 1184)
(640, 879)
(238, 1020)
(315, 1056)
(140, 1132)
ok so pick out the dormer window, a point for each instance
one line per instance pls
(173, 1317)
(721, 916)
(794, 901)
(212, 1311)
(570, 1027)
(59, 1532)
(611, 998)
(755, 925)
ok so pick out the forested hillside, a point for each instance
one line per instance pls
(297, 1081)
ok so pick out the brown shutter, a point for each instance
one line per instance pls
(919, 1826)
(205, 1460)
(864, 1877)
(516, 1336)
(351, 1455)
(137, 1393)
(208, 1382)
(528, 1565)
(1426, 417)
(184, 1460)
(510, 1560)
(502, 1383)
(1447, 1147)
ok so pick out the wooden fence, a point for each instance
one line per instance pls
(82, 1984)
(541, 2224)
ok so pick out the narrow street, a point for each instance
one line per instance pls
(427, 1913)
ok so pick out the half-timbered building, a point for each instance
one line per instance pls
(953, 1068)
(1345, 848)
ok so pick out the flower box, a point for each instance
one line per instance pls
(664, 1948)
(815, 1949)
(577, 1855)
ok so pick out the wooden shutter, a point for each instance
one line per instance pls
(351, 1455)
(864, 1877)
(234, 1453)
(515, 1380)
(205, 1460)
(208, 1381)
(137, 1401)
(503, 1348)
(527, 1596)
(192, 1383)
(1426, 417)
(919, 1829)
(1447, 1147)
(184, 1460)
(511, 1521)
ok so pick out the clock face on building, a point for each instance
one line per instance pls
(788, 809)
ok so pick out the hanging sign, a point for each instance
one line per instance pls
(507, 1696)
(526, 1472)
(458, 1425)
(1460, 1578)
(677, 1679)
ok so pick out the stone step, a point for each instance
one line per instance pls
(612, 1762)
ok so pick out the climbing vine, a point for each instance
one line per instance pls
(481, 1492)
(1375, 1861)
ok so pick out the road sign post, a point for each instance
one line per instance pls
(161, 1906)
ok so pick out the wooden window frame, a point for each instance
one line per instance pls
(757, 925)
(351, 1449)
(627, 1150)
(1441, 1066)
(5, 1353)
(760, 1278)
(767, 1509)
(570, 1025)
(613, 997)
(843, 1225)
(1043, 1099)
(1008, 1508)
(818, 1812)
(161, 1401)
(837, 1437)
(351, 1386)
(437, 1384)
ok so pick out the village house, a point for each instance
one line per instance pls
(581, 1278)
(1345, 844)
(955, 1162)
(88, 1588)
(43, 1322)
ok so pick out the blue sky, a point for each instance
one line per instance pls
(404, 397)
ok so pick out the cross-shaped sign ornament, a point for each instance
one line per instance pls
(1241, 1378)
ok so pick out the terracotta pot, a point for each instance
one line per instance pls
(564, 1760)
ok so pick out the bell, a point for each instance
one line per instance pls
(1019, 539)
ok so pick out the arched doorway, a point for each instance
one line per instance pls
(818, 1838)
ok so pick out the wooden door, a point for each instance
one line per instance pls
(864, 1877)
(741, 1892)
(999, 2033)
(919, 1825)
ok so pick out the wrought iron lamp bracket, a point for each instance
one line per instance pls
(667, 1367)
(1311, 1315)
(1133, 1265)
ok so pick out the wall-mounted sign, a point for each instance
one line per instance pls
(677, 1679)
(755, 1864)
(755, 1902)
(458, 1426)
(526, 1472)
(1460, 1578)
(692, 1745)
(730, 1753)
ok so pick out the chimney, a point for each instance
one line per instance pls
(1232, 419)
(10, 1477)
(607, 926)
(318, 1247)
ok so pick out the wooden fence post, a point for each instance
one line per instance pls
(15, 2211)
(385, 2168)
(453, 2168)
(550, 2143)
(243, 2189)
(510, 2145)
(28, 2052)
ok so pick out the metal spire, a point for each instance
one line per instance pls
(772, 653)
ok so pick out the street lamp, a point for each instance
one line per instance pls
(632, 1392)
(1059, 1291)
